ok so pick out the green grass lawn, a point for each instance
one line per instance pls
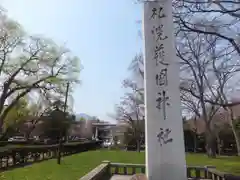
(75, 166)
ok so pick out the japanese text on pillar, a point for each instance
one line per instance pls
(161, 77)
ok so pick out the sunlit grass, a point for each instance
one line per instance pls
(75, 166)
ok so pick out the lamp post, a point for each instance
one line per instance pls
(60, 137)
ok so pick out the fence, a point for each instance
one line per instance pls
(18, 156)
(107, 169)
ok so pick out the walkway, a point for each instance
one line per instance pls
(124, 177)
(120, 177)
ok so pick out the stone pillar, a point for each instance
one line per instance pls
(96, 133)
(165, 154)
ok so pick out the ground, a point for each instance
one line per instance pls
(75, 166)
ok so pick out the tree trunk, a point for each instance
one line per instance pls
(209, 135)
(137, 138)
(236, 136)
(28, 132)
(138, 145)
(235, 131)
(3, 136)
(27, 136)
(219, 145)
(195, 141)
(210, 144)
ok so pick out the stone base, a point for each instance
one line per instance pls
(120, 177)
(126, 177)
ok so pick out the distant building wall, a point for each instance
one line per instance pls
(82, 129)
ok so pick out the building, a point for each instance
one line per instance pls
(81, 129)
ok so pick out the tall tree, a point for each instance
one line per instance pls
(209, 74)
(37, 112)
(207, 38)
(131, 107)
(217, 21)
(31, 65)
(16, 116)
(56, 122)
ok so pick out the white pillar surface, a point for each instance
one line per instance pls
(96, 133)
(165, 154)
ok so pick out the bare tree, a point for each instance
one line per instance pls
(131, 106)
(198, 16)
(226, 76)
(37, 112)
(130, 110)
(219, 21)
(197, 79)
(219, 77)
(191, 108)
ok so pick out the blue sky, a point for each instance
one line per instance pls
(102, 33)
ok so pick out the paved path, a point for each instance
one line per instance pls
(124, 177)
(120, 177)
